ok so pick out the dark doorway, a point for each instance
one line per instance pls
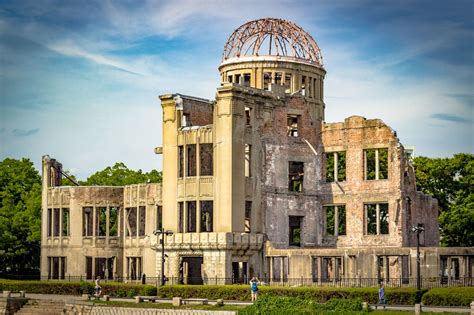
(192, 270)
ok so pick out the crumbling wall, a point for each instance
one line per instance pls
(199, 112)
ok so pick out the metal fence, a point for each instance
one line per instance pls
(428, 283)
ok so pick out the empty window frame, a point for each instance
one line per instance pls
(278, 78)
(315, 269)
(131, 221)
(87, 223)
(304, 90)
(50, 221)
(248, 116)
(206, 159)
(191, 216)
(114, 214)
(331, 269)
(248, 216)
(335, 220)
(287, 83)
(159, 218)
(101, 221)
(180, 161)
(142, 221)
(267, 79)
(422, 234)
(186, 120)
(103, 267)
(295, 230)
(292, 125)
(229, 78)
(376, 164)
(56, 216)
(376, 218)
(191, 160)
(134, 268)
(246, 79)
(237, 79)
(180, 217)
(248, 160)
(207, 216)
(336, 166)
(66, 222)
(56, 267)
(279, 270)
(295, 176)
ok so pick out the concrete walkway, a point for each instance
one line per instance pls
(436, 309)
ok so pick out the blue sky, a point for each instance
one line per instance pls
(80, 80)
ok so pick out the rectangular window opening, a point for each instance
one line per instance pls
(180, 217)
(335, 220)
(248, 160)
(248, 116)
(237, 79)
(87, 221)
(376, 164)
(113, 221)
(335, 167)
(159, 218)
(101, 221)
(292, 125)
(246, 79)
(295, 176)
(56, 216)
(181, 161)
(295, 230)
(65, 219)
(207, 210)
(206, 159)
(287, 83)
(191, 214)
(248, 216)
(191, 160)
(278, 78)
(376, 217)
(131, 221)
(142, 222)
(267, 79)
(50, 221)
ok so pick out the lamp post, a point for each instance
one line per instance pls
(418, 229)
(162, 233)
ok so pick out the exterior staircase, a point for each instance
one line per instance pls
(39, 307)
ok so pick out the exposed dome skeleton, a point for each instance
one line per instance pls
(273, 37)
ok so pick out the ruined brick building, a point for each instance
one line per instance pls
(256, 183)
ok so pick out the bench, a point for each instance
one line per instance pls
(140, 298)
(196, 301)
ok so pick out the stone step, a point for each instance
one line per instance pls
(42, 307)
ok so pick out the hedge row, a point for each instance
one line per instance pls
(321, 295)
(449, 297)
(76, 288)
(270, 305)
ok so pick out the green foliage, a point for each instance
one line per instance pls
(20, 214)
(121, 175)
(295, 305)
(449, 296)
(320, 295)
(451, 181)
(77, 288)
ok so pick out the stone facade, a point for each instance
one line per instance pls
(255, 183)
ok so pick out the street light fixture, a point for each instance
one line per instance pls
(418, 229)
(162, 233)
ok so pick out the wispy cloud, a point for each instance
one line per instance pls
(450, 118)
(24, 133)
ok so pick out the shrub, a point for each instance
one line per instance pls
(295, 305)
(318, 294)
(76, 288)
(449, 296)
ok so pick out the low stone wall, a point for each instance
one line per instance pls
(89, 308)
(9, 305)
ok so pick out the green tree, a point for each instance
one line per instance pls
(451, 181)
(120, 175)
(20, 214)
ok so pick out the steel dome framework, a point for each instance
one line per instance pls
(272, 37)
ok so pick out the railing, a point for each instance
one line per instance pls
(428, 283)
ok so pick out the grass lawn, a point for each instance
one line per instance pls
(170, 306)
(390, 312)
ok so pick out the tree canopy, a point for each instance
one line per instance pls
(451, 181)
(120, 175)
(20, 214)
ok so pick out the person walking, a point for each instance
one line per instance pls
(382, 296)
(98, 288)
(254, 288)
